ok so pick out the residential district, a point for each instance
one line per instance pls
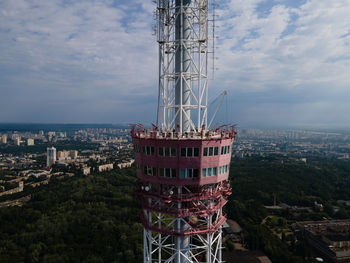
(32, 158)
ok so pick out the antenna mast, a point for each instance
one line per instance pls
(183, 37)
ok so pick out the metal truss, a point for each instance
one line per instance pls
(161, 248)
(183, 35)
(186, 229)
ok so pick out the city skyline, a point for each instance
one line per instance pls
(284, 63)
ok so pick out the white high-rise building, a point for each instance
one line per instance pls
(4, 138)
(30, 142)
(18, 141)
(51, 156)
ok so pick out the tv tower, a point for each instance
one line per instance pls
(182, 164)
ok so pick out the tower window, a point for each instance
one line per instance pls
(190, 152)
(148, 170)
(167, 172)
(167, 151)
(148, 150)
(189, 173)
(223, 169)
(137, 148)
(211, 151)
(225, 149)
(211, 171)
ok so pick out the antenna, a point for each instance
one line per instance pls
(221, 96)
(186, 36)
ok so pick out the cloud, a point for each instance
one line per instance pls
(71, 53)
(96, 60)
(301, 49)
(314, 52)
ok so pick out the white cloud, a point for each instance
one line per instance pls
(87, 36)
(86, 55)
(263, 51)
(78, 54)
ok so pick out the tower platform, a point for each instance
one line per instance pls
(183, 181)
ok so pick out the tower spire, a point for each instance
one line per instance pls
(182, 34)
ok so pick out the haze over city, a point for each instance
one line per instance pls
(283, 62)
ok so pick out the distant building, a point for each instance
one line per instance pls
(86, 170)
(18, 141)
(4, 138)
(51, 156)
(39, 173)
(61, 155)
(105, 167)
(95, 157)
(64, 155)
(14, 190)
(30, 142)
(51, 133)
(125, 164)
(73, 154)
(245, 256)
(331, 239)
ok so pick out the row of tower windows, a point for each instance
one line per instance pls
(225, 150)
(209, 171)
(212, 171)
(136, 148)
(189, 173)
(167, 172)
(211, 151)
(167, 151)
(163, 172)
(184, 173)
(190, 152)
(148, 150)
(185, 152)
(223, 169)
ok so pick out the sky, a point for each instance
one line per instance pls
(284, 63)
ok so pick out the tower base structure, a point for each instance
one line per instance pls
(204, 248)
(183, 185)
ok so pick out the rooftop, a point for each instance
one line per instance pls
(224, 132)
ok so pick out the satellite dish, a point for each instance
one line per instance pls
(147, 188)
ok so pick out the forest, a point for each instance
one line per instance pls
(96, 218)
(78, 219)
(255, 181)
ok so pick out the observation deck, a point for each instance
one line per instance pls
(183, 176)
(193, 158)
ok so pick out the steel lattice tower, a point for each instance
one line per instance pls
(183, 166)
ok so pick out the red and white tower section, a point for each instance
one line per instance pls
(182, 164)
